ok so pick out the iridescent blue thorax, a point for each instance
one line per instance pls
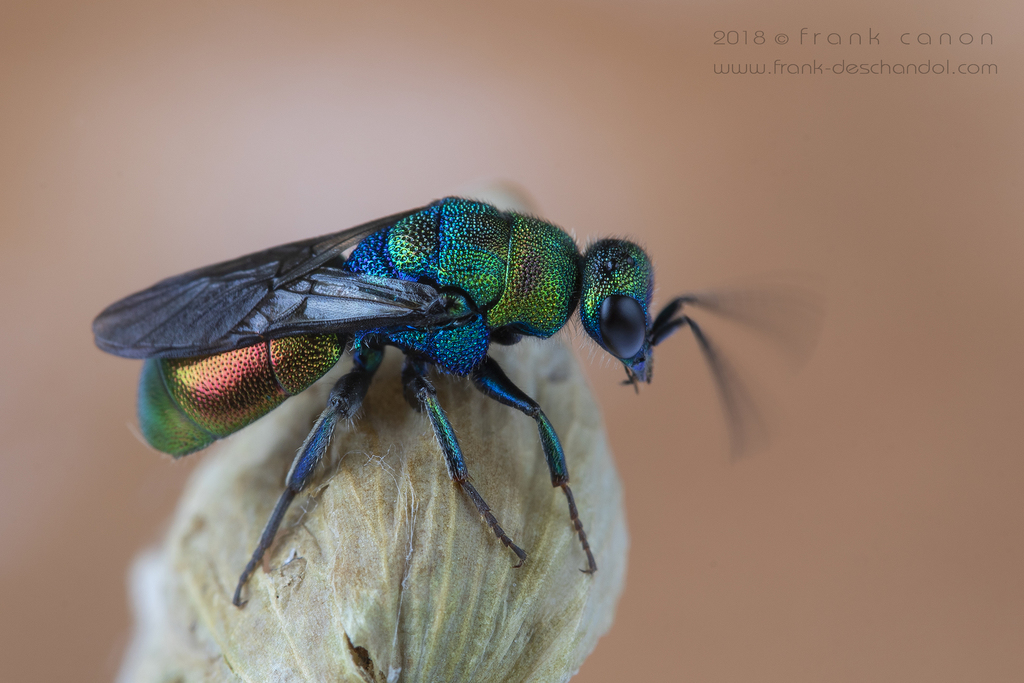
(513, 273)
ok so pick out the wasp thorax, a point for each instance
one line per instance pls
(381, 570)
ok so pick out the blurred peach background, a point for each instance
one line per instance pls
(879, 538)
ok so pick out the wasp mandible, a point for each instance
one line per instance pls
(228, 343)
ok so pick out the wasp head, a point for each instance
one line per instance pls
(618, 282)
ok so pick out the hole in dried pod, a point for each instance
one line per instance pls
(361, 658)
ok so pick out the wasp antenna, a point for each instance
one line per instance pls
(746, 428)
(789, 316)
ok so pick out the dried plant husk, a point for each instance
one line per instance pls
(383, 570)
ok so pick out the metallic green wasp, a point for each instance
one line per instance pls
(228, 343)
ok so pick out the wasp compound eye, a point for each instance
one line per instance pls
(623, 327)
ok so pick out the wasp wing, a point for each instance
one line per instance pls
(278, 292)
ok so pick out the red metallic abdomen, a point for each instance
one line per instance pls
(185, 404)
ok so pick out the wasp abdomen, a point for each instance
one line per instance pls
(185, 404)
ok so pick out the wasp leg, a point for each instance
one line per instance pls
(344, 400)
(492, 380)
(421, 393)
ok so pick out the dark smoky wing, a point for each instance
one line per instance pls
(276, 292)
(193, 316)
(288, 261)
(217, 314)
(330, 300)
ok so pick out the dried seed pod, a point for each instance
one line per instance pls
(383, 570)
